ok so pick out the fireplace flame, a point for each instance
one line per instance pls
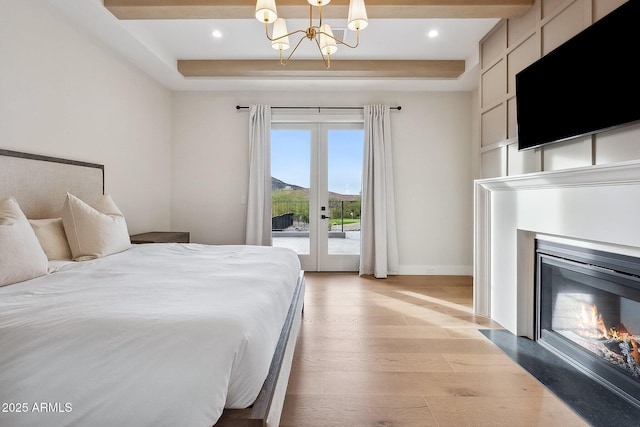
(615, 345)
(593, 326)
(593, 322)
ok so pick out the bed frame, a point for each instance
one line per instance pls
(40, 184)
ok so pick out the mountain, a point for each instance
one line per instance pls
(277, 184)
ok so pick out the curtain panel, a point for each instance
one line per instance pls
(379, 247)
(258, 231)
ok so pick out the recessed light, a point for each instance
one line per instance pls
(433, 33)
(216, 33)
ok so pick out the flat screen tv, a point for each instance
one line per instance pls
(589, 84)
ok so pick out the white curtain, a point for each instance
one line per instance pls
(379, 246)
(259, 195)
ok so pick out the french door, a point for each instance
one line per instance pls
(316, 171)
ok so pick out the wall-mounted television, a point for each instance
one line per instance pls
(589, 84)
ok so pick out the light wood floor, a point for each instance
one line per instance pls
(406, 351)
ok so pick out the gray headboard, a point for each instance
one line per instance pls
(40, 183)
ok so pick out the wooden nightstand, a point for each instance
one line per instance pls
(161, 237)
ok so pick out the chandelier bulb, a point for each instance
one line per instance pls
(279, 37)
(357, 19)
(328, 44)
(266, 11)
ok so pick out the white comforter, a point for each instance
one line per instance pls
(159, 335)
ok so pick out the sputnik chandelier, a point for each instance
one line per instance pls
(321, 33)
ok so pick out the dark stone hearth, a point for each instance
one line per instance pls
(595, 403)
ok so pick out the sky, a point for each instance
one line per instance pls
(291, 157)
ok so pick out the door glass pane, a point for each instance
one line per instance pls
(345, 148)
(290, 178)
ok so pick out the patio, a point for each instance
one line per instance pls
(347, 245)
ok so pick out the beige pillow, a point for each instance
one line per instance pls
(21, 256)
(50, 233)
(94, 232)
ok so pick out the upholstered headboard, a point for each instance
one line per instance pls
(40, 183)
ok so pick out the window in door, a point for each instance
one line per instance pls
(316, 187)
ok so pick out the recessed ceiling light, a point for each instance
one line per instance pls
(216, 33)
(433, 33)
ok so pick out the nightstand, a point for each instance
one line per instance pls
(161, 237)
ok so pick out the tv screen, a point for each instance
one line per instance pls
(589, 84)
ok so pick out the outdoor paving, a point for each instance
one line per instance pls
(349, 245)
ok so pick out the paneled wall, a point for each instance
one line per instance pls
(510, 47)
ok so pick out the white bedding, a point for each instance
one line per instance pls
(158, 335)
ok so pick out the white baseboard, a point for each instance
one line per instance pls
(436, 270)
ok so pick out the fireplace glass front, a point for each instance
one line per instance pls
(589, 312)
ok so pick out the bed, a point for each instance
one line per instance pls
(156, 334)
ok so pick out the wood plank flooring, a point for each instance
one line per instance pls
(406, 351)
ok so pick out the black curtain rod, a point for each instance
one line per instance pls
(238, 107)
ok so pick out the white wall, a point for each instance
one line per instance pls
(64, 94)
(432, 160)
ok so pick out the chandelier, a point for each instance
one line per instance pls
(320, 33)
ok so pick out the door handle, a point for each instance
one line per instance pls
(324, 209)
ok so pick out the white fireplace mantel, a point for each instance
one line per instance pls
(596, 206)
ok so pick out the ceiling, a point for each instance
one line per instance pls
(172, 41)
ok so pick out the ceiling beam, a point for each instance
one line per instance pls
(376, 9)
(301, 69)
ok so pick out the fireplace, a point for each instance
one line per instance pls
(588, 312)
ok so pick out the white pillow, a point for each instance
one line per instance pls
(21, 256)
(94, 232)
(50, 233)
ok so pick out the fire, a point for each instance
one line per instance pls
(593, 322)
(621, 334)
(594, 327)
